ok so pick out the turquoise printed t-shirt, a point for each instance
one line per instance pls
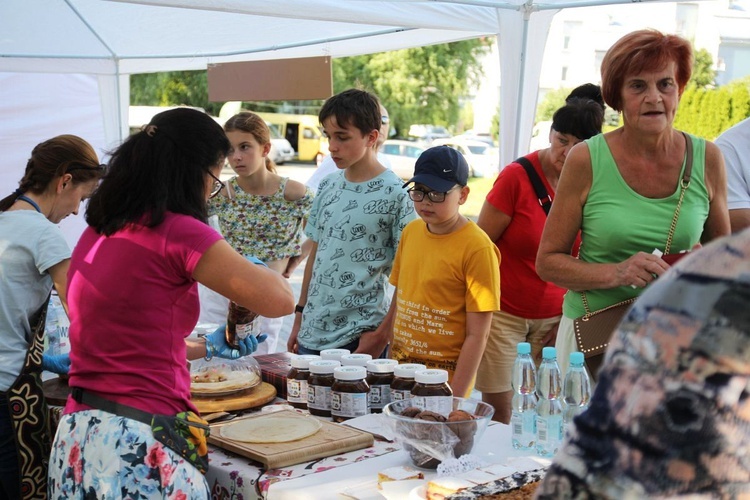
(357, 226)
(618, 222)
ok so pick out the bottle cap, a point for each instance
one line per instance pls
(323, 366)
(333, 353)
(355, 359)
(549, 353)
(407, 370)
(349, 373)
(302, 361)
(576, 358)
(523, 348)
(381, 365)
(431, 376)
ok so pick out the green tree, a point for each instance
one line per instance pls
(552, 101)
(419, 85)
(704, 73)
(174, 88)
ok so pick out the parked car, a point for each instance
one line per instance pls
(281, 150)
(483, 160)
(426, 134)
(402, 155)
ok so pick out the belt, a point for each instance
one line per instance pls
(100, 403)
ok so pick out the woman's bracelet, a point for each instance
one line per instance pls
(210, 349)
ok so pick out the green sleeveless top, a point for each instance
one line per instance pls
(617, 222)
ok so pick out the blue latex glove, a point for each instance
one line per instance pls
(216, 345)
(255, 260)
(56, 363)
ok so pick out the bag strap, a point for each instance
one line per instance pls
(545, 201)
(684, 183)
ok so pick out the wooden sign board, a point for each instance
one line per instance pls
(274, 80)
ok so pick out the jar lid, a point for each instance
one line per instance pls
(302, 361)
(333, 353)
(349, 373)
(323, 366)
(433, 376)
(407, 370)
(355, 359)
(381, 365)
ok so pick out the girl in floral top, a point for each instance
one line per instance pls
(261, 213)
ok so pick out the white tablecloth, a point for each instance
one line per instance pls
(349, 475)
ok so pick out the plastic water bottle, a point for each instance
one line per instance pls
(523, 404)
(549, 410)
(577, 388)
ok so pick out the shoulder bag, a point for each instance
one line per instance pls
(594, 329)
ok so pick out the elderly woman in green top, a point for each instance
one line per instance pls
(621, 189)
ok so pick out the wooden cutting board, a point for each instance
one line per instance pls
(331, 439)
(249, 398)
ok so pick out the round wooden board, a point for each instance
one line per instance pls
(56, 391)
(249, 398)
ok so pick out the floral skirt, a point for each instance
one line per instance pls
(100, 455)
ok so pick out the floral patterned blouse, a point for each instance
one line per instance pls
(267, 227)
(670, 416)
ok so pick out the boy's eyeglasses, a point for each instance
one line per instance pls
(385, 120)
(434, 196)
(218, 186)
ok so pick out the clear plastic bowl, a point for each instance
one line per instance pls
(428, 442)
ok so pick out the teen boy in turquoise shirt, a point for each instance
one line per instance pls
(355, 225)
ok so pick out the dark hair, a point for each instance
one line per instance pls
(161, 168)
(587, 91)
(53, 158)
(643, 50)
(255, 126)
(356, 107)
(581, 118)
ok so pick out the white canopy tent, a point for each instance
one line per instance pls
(113, 39)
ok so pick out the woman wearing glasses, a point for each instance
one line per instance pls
(513, 216)
(61, 173)
(260, 213)
(133, 302)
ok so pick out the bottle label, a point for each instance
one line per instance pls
(296, 391)
(398, 395)
(549, 431)
(319, 397)
(380, 395)
(247, 329)
(523, 428)
(439, 404)
(349, 404)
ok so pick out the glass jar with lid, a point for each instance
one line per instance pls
(432, 392)
(349, 393)
(379, 378)
(297, 378)
(403, 380)
(319, 386)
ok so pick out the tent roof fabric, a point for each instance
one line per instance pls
(116, 38)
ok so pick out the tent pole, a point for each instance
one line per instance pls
(527, 9)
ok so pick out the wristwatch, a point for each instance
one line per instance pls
(299, 308)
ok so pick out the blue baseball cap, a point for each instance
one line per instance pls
(440, 168)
